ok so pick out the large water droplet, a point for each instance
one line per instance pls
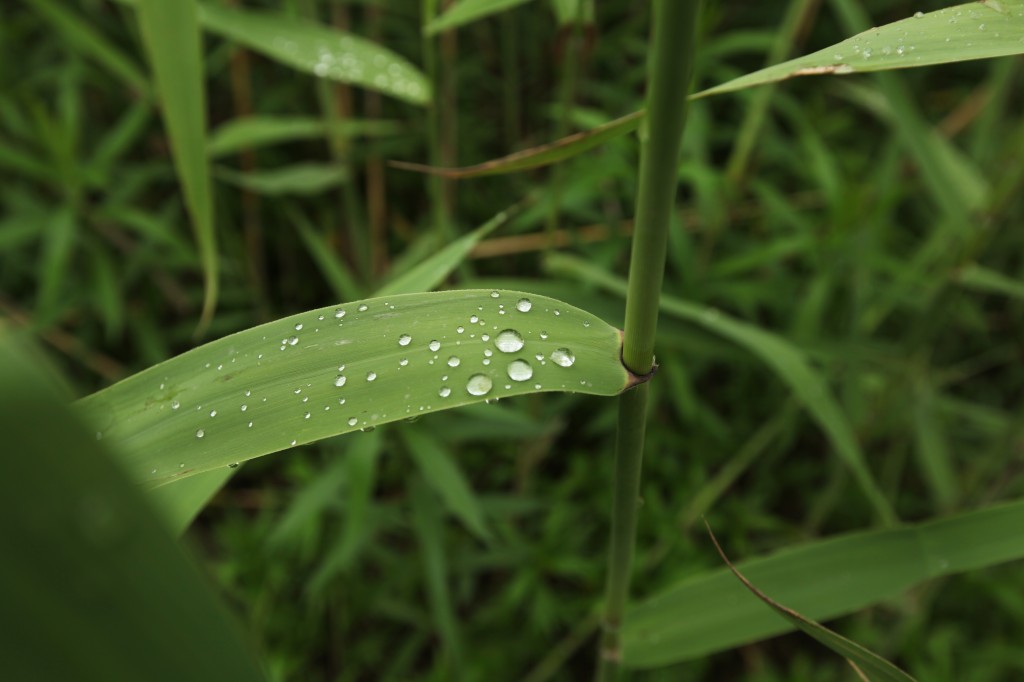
(509, 341)
(563, 357)
(434, 345)
(453, 361)
(404, 340)
(479, 384)
(340, 381)
(519, 370)
(523, 305)
(445, 392)
(370, 376)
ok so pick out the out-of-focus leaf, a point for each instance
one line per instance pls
(259, 131)
(321, 51)
(467, 11)
(985, 280)
(298, 179)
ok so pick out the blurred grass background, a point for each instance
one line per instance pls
(874, 222)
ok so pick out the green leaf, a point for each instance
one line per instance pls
(445, 477)
(978, 278)
(536, 157)
(787, 361)
(268, 388)
(170, 32)
(711, 612)
(297, 179)
(258, 131)
(321, 51)
(977, 30)
(468, 11)
(869, 665)
(91, 583)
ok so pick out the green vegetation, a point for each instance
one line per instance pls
(304, 228)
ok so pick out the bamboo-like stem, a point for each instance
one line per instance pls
(437, 188)
(670, 67)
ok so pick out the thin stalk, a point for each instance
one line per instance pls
(670, 67)
(436, 186)
(573, 46)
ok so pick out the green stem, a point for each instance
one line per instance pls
(670, 67)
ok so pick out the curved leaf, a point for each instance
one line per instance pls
(468, 11)
(977, 30)
(258, 131)
(349, 367)
(321, 51)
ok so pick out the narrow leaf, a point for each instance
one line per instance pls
(985, 280)
(711, 612)
(545, 155)
(467, 11)
(259, 131)
(977, 30)
(170, 32)
(321, 51)
(298, 179)
(343, 368)
(868, 664)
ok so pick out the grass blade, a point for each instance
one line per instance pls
(467, 11)
(868, 664)
(259, 131)
(537, 157)
(985, 280)
(170, 32)
(787, 361)
(271, 387)
(91, 583)
(711, 612)
(977, 30)
(447, 480)
(321, 51)
(299, 179)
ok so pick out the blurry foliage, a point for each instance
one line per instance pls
(841, 235)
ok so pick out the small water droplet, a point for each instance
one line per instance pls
(453, 361)
(293, 340)
(586, 323)
(339, 313)
(543, 335)
(519, 370)
(918, 15)
(175, 404)
(404, 340)
(444, 392)
(306, 416)
(213, 413)
(460, 329)
(340, 381)
(298, 327)
(523, 305)
(509, 341)
(557, 312)
(479, 384)
(244, 407)
(250, 425)
(434, 345)
(362, 308)
(495, 294)
(473, 319)
(403, 362)
(200, 433)
(370, 376)
(248, 393)
(485, 337)
(563, 357)
(233, 465)
(352, 421)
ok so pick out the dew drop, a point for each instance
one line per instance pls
(495, 294)
(543, 335)
(404, 340)
(293, 340)
(340, 381)
(918, 15)
(362, 308)
(445, 392)
(519, 370)
(403, 362)
(339, 313)
(453, 361)
(563, 357)
(370, 376)
(479, 384)
(244, 407)
(200, 433)
(434, 345)
(352, 421)
(460, 329)
(250, 425)
(306, 416)
(233, 465)
(213, 413)
(175, 404)
(509, 341)
(473, 319)
(523, 305)
(298, 327)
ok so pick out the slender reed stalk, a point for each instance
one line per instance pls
(670, 66)
(437, 187)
